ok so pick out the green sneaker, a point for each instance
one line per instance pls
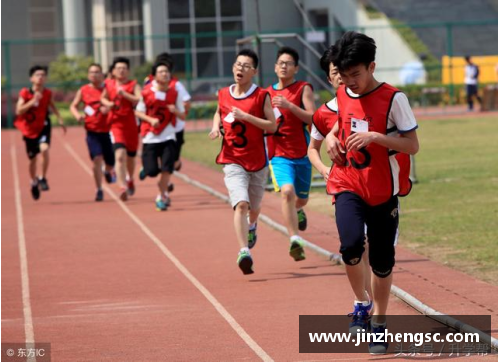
(245, 262)
(302, 219)
(252, 237)
(160, 205)
(297, 250)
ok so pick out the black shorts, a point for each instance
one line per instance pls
(117, 146)
(99, 144)
(178, 144)
(351, 214)
(33, 144)
(158, 157)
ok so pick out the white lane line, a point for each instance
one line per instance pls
(337, 259)
(216, 304)
(25, 283)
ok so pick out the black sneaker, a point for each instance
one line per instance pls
(170, 187)
(35, 192)
(109, 177)
(99, 196)
(44, 186)
(142, 174)
(245, 262)
(301, 215)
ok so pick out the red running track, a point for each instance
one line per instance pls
(121, 282)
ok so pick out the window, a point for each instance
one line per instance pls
(203, 37)
(177, 42)
(207, 64)
(178, 9)
(230, 8)
(204, 8)
(236, 29)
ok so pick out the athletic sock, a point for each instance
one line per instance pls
(252, 226)
(294, 238)
(34, 182)
(364, 303)
(245, 249)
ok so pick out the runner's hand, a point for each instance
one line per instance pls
(334, 149)
(214, 133)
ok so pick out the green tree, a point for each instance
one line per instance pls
(69, 72)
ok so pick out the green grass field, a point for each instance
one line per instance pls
(451, 216)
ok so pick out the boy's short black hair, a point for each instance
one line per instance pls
(467, 58)
(354, 49)
(251, 54)
(120, 60)
(290, 51)
(95, 65)
(36, 68)
(165, 58)
(327, 58)
(158, 64)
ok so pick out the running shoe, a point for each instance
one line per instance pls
(124, 195)
(167, 200)
(99, 196)
(297, 250)
(44, 185)
(160, 205)
(377, 348)
(179, 166)
(252, 237)
(245, 262)
(360, 318)
(142, 174)
(301, 215)
(110, 177)
(131, 187)
(35, 191)
(170, 187)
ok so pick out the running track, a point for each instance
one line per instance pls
(121, 282)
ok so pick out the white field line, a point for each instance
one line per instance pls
(337, 259)
(215, 303)
(25, 283)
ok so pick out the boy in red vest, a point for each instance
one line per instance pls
(158, 110)
(121, 95)
(245, 113)
(324, 120)
(95, 118)
(290, 167)
(370, 145)
(32, 111)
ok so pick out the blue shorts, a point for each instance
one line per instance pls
(296, 172)
(99, 144)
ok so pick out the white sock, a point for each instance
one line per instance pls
(245, 249)
(364, 303)
(34, 182)
(294, 238)
(159, 197)
(252, 226)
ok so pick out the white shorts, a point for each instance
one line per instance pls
(245, 186)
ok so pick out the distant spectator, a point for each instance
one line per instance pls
(471, 78)
(413, 71)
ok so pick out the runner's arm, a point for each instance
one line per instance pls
(74, 106)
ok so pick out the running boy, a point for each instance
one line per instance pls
(32, 111)
(180, 122)
(323, 121)
(375, 123)
(95, 116)
(290, 167)
(121, 95)
(245, 112)
(158, 110)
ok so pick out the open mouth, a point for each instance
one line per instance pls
(239, 76)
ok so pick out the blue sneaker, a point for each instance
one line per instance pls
(377, 348)
(252, 237)
(160, 205)
(245, 262)
(99, 196)
(360, 318)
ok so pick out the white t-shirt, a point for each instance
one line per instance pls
(168, 132)
(471, 74)
(184, 96)
(314, 131)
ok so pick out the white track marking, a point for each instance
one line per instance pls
(25, 283)
(216, 304)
